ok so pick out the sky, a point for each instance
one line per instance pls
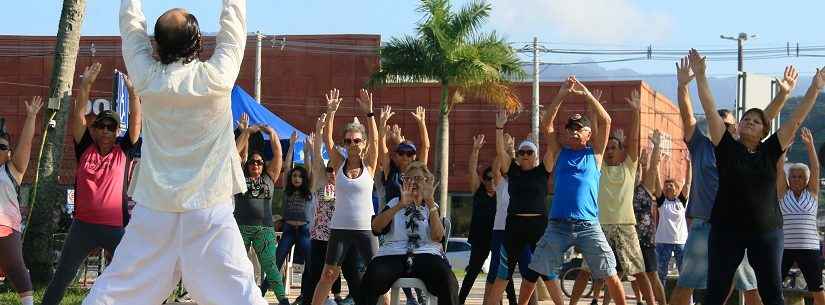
(569, 24)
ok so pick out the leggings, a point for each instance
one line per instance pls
(809, 262)
(726, 248)
(431, 269)
(313, 268)
(262, 239)
(11, 262)
(83, 238)
(346, 245)
(495, 261)
(478, 254)
(521, 232)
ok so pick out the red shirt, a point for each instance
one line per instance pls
(100, 182)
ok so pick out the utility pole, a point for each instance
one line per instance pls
(740, 42)
(259, 42)
(535, 49)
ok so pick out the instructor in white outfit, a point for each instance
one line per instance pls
(183, 225)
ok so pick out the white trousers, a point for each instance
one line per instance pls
(203, 247)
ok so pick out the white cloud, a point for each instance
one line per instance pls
(582, 21)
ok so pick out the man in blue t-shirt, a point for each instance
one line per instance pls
(574, 216)
(694, 271)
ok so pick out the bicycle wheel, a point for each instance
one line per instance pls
(568, 279)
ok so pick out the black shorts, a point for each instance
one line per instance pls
(809, 262)
(650, 258)
(341, 242)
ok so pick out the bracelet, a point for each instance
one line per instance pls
(434, 209)
(371, 114)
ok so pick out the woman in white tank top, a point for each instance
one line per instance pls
(798, 190)
(355, 165)
(12, 168)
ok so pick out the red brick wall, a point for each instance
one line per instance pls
(295, 79)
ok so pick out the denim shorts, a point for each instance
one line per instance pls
(586, 235)
(694, 271)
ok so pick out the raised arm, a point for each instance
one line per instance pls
(78, 122)
(683, 77)
(230, 43)
(786, 85)
(333, 101)
(287, 164)
(384, 151)
(242, 141)
(631, 141)
(275, 166)
(365, 102)
(813, 161)
(501, 151)
(781, 179)
(688, 175)
(654, 183)
(135, 115)
(548, 125)
(317, 153)
(715, 124)
(20, 158)
(427, 190)
(424, 142)
(135, 43)
(788, 129)
(600, 136)
(472, 170)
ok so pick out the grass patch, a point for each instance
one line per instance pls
(74, 296)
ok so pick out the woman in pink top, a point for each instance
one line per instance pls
(13, 168)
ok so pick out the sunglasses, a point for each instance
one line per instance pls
(524, 153)
(355, 141)
(406, 153)
(256, 162)
(408, 179)
(4, 147)
(109, 127)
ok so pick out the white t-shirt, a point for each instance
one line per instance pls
(396, 239)
(353, 201)
(502, 202)
(672, 227)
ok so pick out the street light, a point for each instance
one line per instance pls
(740, 40)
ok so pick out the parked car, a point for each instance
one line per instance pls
(458, 253)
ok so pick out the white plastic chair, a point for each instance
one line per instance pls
(407, 282)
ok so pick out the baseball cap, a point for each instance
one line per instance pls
(108, 114)
(528, 145)
(406, 146)
(577, 121)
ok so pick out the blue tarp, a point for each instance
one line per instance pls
(242, 102)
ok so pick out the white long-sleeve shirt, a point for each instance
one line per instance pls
(188, 158)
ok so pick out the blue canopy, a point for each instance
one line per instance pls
(242, 103)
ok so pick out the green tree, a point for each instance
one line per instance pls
(448, 48)
(47, 193)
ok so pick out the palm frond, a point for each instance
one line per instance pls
(405, 59)
(469, 19)
(496, 93)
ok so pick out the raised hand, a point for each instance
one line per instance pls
(407, 194)
(254, 129)
(333, 100)
(806, 136)
(33, 107)
(819, 79)
(635, 99)
(293, 138)
(501, 118)
(478, 142)
(644, 158)
(656, 139)
(90, 75)
(683, 73)
(419, 114)
(243, 122)
(697, 62)
(788, 81)
(128, 82)
(427, 190)
(566, 87)
(619, 134)
(269, 130)
(310, 141)
(597, 94)
(320, 122)
(579, 88)
(365, 101)
(509, 141)
(386, 114)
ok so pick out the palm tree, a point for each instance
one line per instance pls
(449, 49)
(47, 193)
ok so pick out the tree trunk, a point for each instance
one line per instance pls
(443, 147)
(47, 194)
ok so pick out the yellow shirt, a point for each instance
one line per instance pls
(616, 193)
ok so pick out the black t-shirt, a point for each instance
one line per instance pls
(484, 214)
(661, 200)
(254, 208)
(746, 200)
(528, 189)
